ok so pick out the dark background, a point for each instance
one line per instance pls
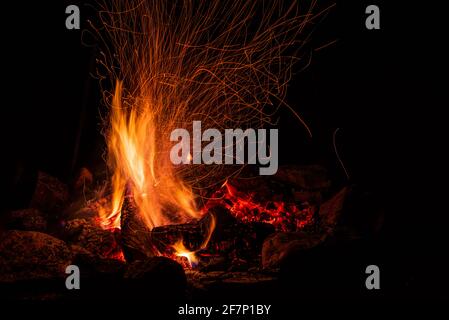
(382, 89)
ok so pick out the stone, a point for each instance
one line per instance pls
(93, 265)
(158, 277)
(351, 214)
(86, 234)
(331, 210)
(280, 244)
(50, 195)
(27, 220)
(83, 180)
(30, 255)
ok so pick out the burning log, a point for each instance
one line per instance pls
(232, 243)
(166, 236)
(136, 237)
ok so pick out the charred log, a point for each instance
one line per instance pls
(136, 237)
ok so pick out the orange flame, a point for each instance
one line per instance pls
(182, 251)
(147, 171)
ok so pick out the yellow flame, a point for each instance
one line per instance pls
(133, 138)
(182, 251)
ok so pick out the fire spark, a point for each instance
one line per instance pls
(174, 62)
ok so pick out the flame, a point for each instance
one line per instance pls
(139, 157)
(182, 251)
(110, 213)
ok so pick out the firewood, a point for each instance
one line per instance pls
(136, 237)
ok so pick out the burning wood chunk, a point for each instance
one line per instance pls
(84, 233)
(50, 195)
(164, 237)
(29, 255)
(233, 245)
(192, 234)
(135, 235)
(27, 220)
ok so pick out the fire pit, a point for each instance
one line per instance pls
(248, 228)
(191, 200)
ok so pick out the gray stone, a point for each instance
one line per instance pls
(29, 255)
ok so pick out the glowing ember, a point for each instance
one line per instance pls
(283, 215)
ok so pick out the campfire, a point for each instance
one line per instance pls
(165, 66)
(212, 72)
